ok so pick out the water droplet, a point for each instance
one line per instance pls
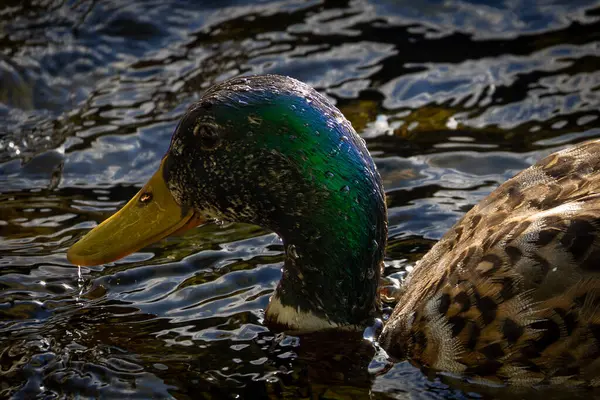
(80, 282)
(293, 138)
(329, 174)
(317, 133)
(345, 189)
(293, 252)
(372, 332)
(344, 138)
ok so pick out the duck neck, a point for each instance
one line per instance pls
(333, 261)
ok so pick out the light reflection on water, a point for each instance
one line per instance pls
(453, 98)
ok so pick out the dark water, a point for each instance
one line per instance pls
(453, 98)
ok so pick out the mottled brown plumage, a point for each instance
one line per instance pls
(511, 294)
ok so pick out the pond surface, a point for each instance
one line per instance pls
(453, 97)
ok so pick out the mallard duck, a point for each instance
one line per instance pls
(510, 294)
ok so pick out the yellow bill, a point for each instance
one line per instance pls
(149, 216)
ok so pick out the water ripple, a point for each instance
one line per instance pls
(453, 98)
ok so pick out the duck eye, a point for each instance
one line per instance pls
(207, 135)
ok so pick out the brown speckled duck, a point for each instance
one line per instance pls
(510, 294)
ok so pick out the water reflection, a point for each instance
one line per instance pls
(453, 98)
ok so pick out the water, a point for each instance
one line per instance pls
(452, 97)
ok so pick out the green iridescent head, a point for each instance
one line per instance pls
(271, 151)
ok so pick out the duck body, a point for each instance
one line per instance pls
(510, 294)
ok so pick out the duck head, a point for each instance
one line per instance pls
(271, 151)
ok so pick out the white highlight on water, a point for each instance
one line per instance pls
(79, 285)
